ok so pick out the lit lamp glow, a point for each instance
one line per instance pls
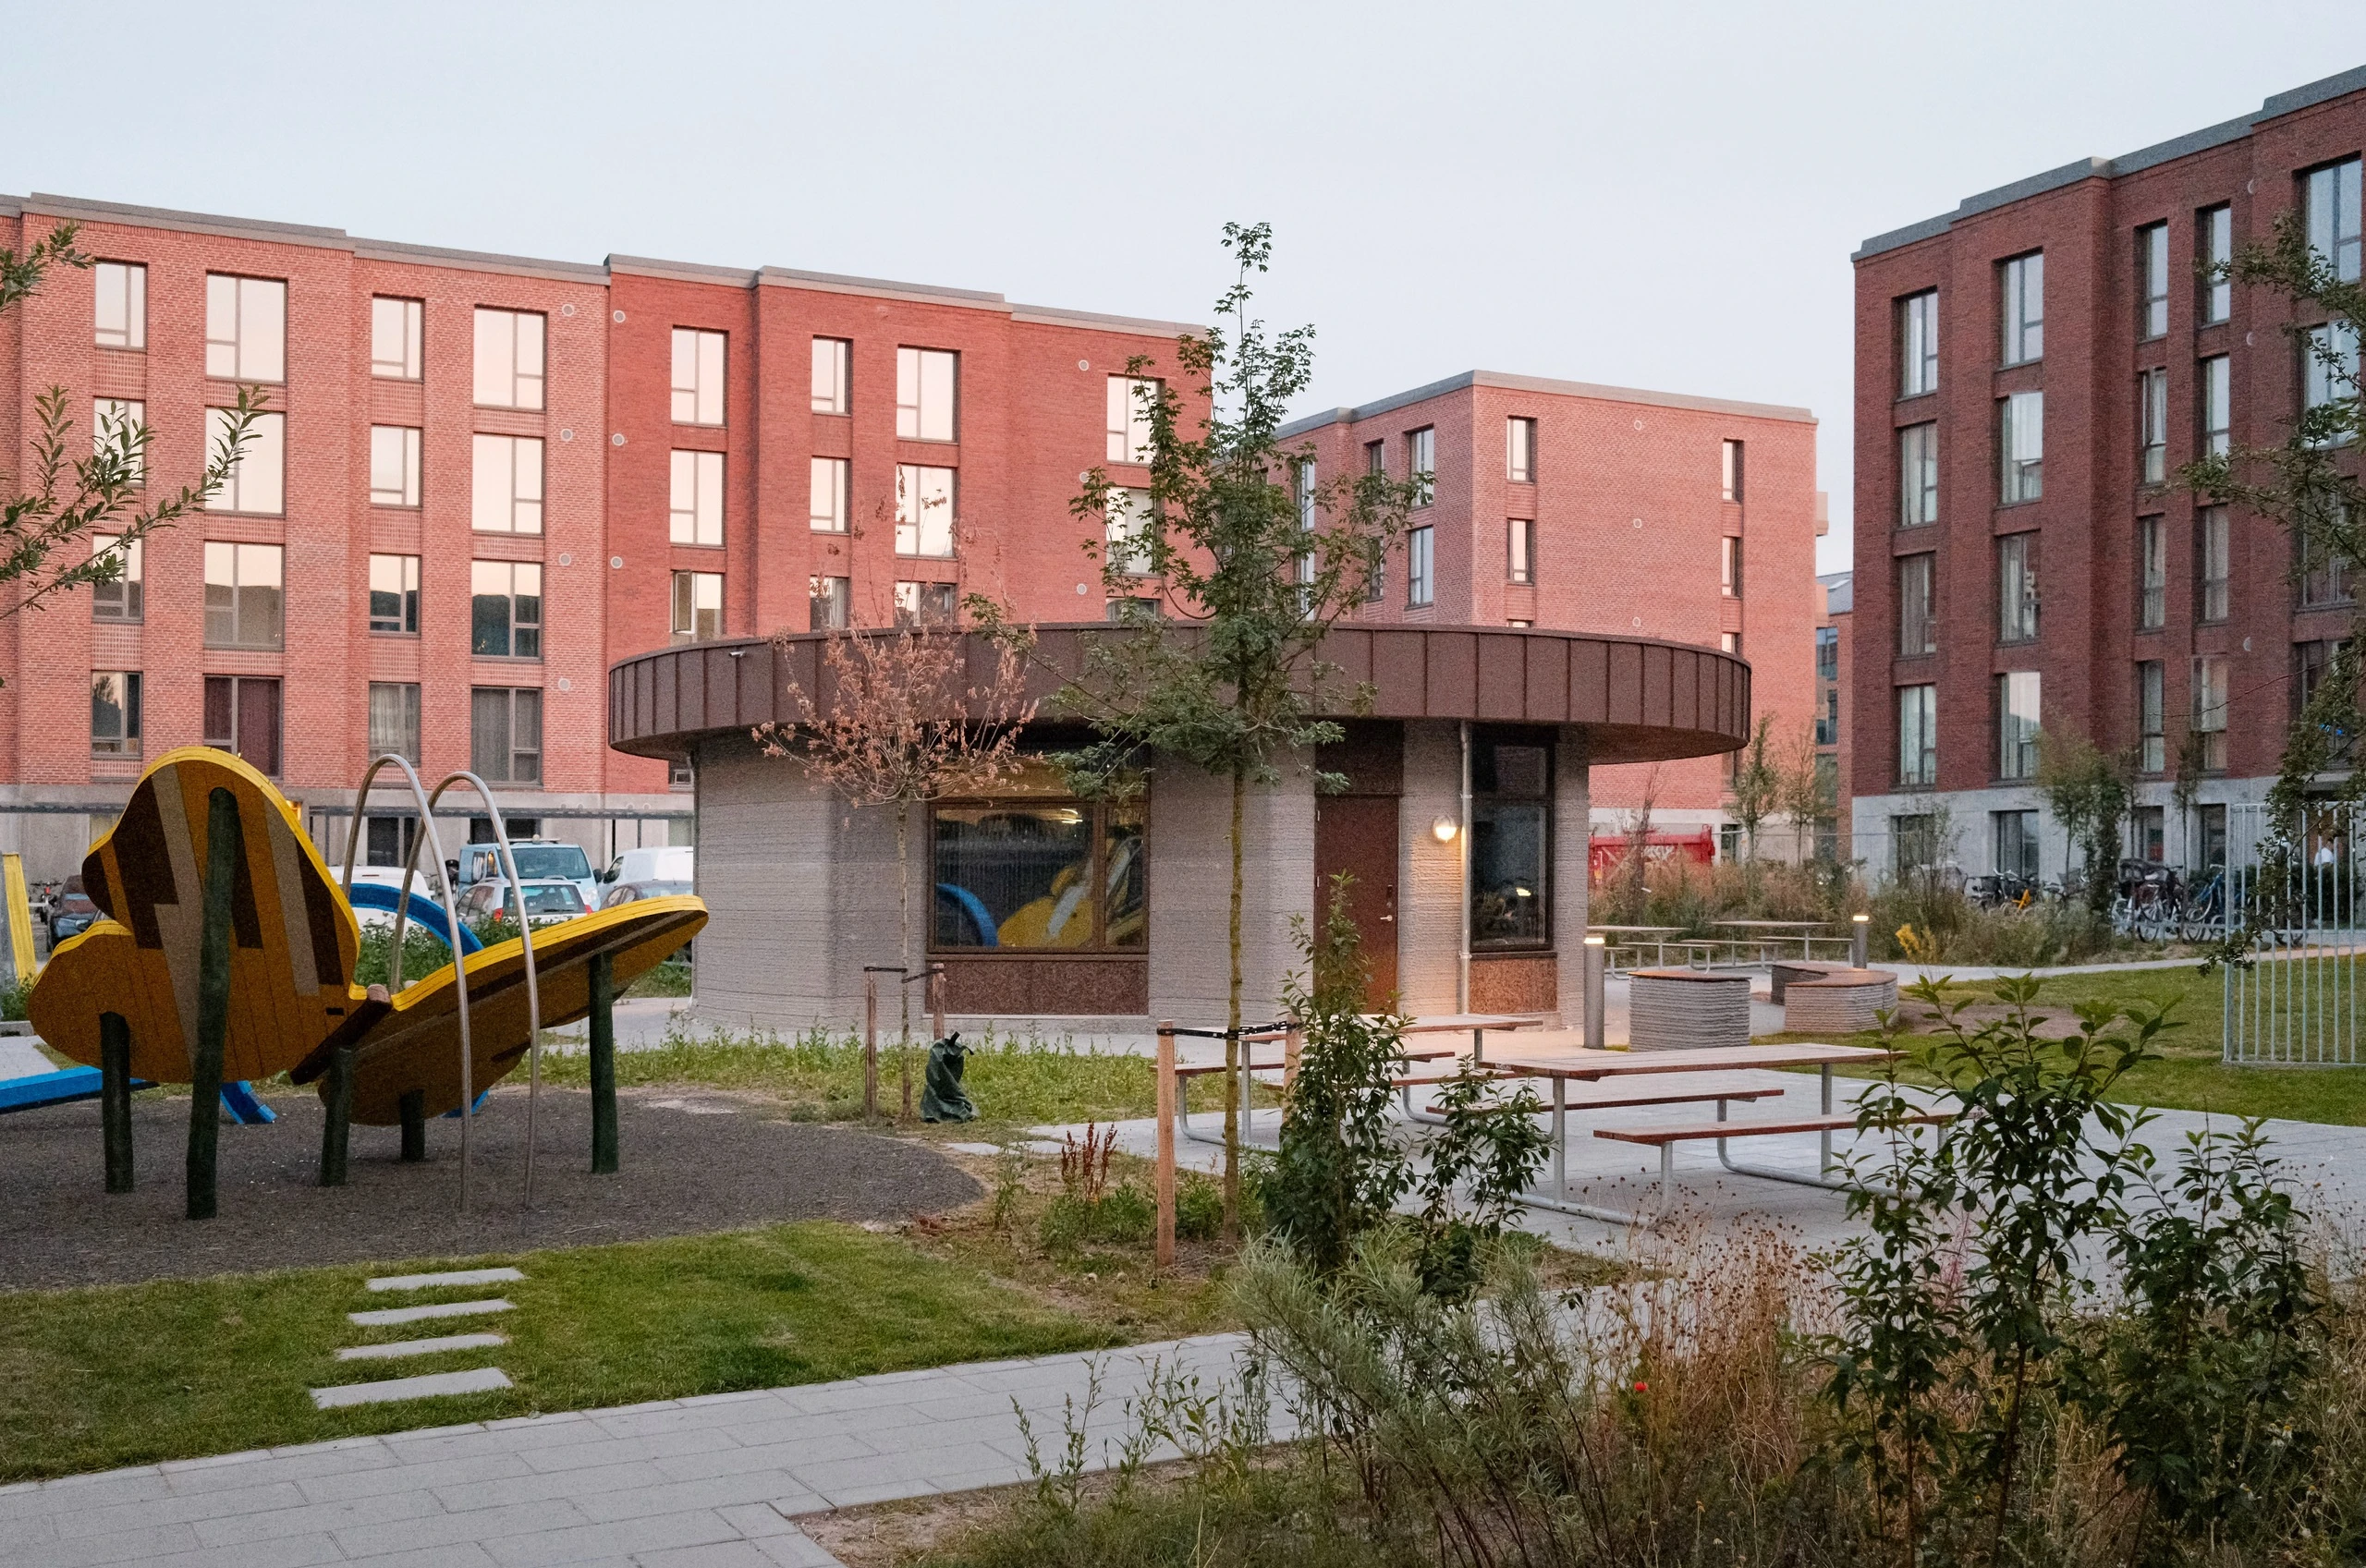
(1444, 829)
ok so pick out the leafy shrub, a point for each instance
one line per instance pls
(1199, 1207)
(1124, 1215)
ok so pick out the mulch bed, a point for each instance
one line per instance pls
(688, 1161)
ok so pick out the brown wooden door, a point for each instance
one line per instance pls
(1357, 833)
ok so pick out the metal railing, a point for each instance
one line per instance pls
(2295, 896)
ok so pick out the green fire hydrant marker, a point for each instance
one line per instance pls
(224, 845)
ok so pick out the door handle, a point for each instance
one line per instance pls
(1388, 918)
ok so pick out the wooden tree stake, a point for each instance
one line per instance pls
(1166, 1144)
(114, 1097)
(869, 1046)
(224, 845)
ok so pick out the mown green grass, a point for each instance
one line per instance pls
(2189, 1074)
(107, 1376)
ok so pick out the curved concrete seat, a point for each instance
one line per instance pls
(1841, 1003)
(1687, 1009)
(1789, 972)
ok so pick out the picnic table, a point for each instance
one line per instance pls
(1573, 1064)
(1475, 1024)
(1782, 930)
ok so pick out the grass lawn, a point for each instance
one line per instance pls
(2189, 1076)
(121, 1375)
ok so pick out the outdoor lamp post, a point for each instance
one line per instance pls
(1858, 925)
(1597, 957)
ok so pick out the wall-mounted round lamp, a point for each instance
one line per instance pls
(1444, 829)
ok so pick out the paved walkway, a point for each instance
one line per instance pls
(715, 1482)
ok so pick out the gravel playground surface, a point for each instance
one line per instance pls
(688, 1161)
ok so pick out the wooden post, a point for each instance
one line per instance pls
(225, 845)
(114, 1097)
(870, 1046)
(336, 1132)
(413, 1109)
(1167, 1143)
(603, 1067)
(936, 999)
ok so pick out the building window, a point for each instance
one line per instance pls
(2017, 587)
(1918, 625)
(2333, 217)
(509, 358)
(828, 510)
(1827, 718)
(2310, 663)
(927, 388)
(2017, 724)
(120, 317)
(2217, 236)
(2213, 563)
(1377, 456)
(2021, 433)
(694, 513)
(1918, 475)
(1918, 344)
(115, 712)
(2153, 432)
(1126, 530)
(2024, 302)
(119, 426)
(1520, 451)
(242, 718)
(2217, 405)
(1729, 471)
(698, 376)
(244, 595)
(2016, 843)
(394, 465)
(1131, 400)
(1511, 794)
(507, 484)
(1730, 643)
(2152, 574)
(923, 511)
(1520, 548)
(1421, 464)
(395, 339)
(506, 734)
(827, 602)
(394, 595)
(1419, 561)
(1827, 653)
(2152, 717)
(832, 373)
(2152, 273)
(257, 481)
(2209, 717)
(246, 328)
(394, 720)
(1914, 843)
(2324, 573)
(924, 603)
(505, 609)
(2148, 832)
(1729, 566)
(1918, 736)
(1038, 873)
(125, 598)
(698, 606)
(2329, 373)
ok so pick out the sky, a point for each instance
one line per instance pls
(1655, 195)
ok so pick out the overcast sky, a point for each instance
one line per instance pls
(1653, 196)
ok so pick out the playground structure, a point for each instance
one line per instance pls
(226, 951)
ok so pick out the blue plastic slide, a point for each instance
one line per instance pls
(424, 911)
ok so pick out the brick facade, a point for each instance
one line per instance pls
(2085, 220)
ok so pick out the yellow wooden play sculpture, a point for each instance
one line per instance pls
(293, 947)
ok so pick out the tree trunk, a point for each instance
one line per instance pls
(1232, 1057)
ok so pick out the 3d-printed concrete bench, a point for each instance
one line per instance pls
(1845, 1001)
(1687, 1009)
(1789, 972)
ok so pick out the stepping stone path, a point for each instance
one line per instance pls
(428, 1385)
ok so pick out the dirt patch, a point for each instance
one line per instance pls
(2049, 1023)
(691, 1160)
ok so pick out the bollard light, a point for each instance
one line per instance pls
(1597, 953)
(1860, 926)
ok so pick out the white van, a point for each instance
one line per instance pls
(664, 863)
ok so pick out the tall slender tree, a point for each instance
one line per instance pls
(1253, 556)
(45, 525)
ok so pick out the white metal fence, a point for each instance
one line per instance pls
(2300, 1003)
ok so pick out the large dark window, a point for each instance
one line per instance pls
(242, 716)
(1511, 807)
(1042, 872)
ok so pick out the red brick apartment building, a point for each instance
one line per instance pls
(2031, 370)
(484, 477)
(1573, 507)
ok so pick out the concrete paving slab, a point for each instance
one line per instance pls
(401, 1348)
(387, 1315)
(455, 1277)
(428, 1385)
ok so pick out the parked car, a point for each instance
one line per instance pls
(70, 914)
(662, 863)
(539, 859)
(625, 893)
(551, 898)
